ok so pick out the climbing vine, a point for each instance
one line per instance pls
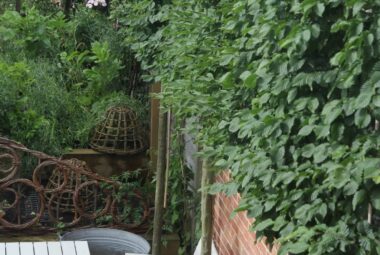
(287, 97)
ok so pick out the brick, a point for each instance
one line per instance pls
(232, 235)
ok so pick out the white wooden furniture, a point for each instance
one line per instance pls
(45, 248)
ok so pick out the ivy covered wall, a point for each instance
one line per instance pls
(287, 94)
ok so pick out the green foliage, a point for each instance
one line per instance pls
(287, 94)
(132, 187)
(51, 80)
(182, 211)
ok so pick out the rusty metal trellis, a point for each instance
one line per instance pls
(78, 197)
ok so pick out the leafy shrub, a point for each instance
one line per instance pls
(49, 81)
(287, 97)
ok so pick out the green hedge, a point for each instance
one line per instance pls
(287, 94)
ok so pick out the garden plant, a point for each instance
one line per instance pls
(283, 94)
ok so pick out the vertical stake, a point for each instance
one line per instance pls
(206, 209)
(160, 183)
(167, 157)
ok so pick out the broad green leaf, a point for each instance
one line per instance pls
(320, 153)
(357, 7)
(320, 9)
(362, 118)
(322, 131)
(298, 248)
(375, 199)
(301, 212)
(358, 198)
(226, 60)
(234, 125)
(306, 34)
(306, 130)
(322, 210)
(313, 105)
(331, 111)
(263, 225)
(227, 80)
(249, 79)
(291, 95)
(350, 188)
(363, 100)
(376, 100)
(308, 150)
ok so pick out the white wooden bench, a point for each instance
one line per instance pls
(45, 248)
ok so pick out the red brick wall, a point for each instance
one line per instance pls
(232, 236)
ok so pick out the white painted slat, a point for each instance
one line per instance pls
(2, 248)
(82, 248)
(68, 248)
(26, 248)
(12, 248)
(40, 248)
(54, 248)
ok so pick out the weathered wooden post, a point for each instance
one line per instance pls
(206, 210)
(160, 183)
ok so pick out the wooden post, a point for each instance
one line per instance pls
(154, 119)
(206, 210)
(18, 6)
(160, 184)
(67, 7)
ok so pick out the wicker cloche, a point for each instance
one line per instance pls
(63, 201)
(121, 132)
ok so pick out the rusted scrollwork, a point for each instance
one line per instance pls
(61, 193)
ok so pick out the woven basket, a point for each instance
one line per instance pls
(119, 133)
